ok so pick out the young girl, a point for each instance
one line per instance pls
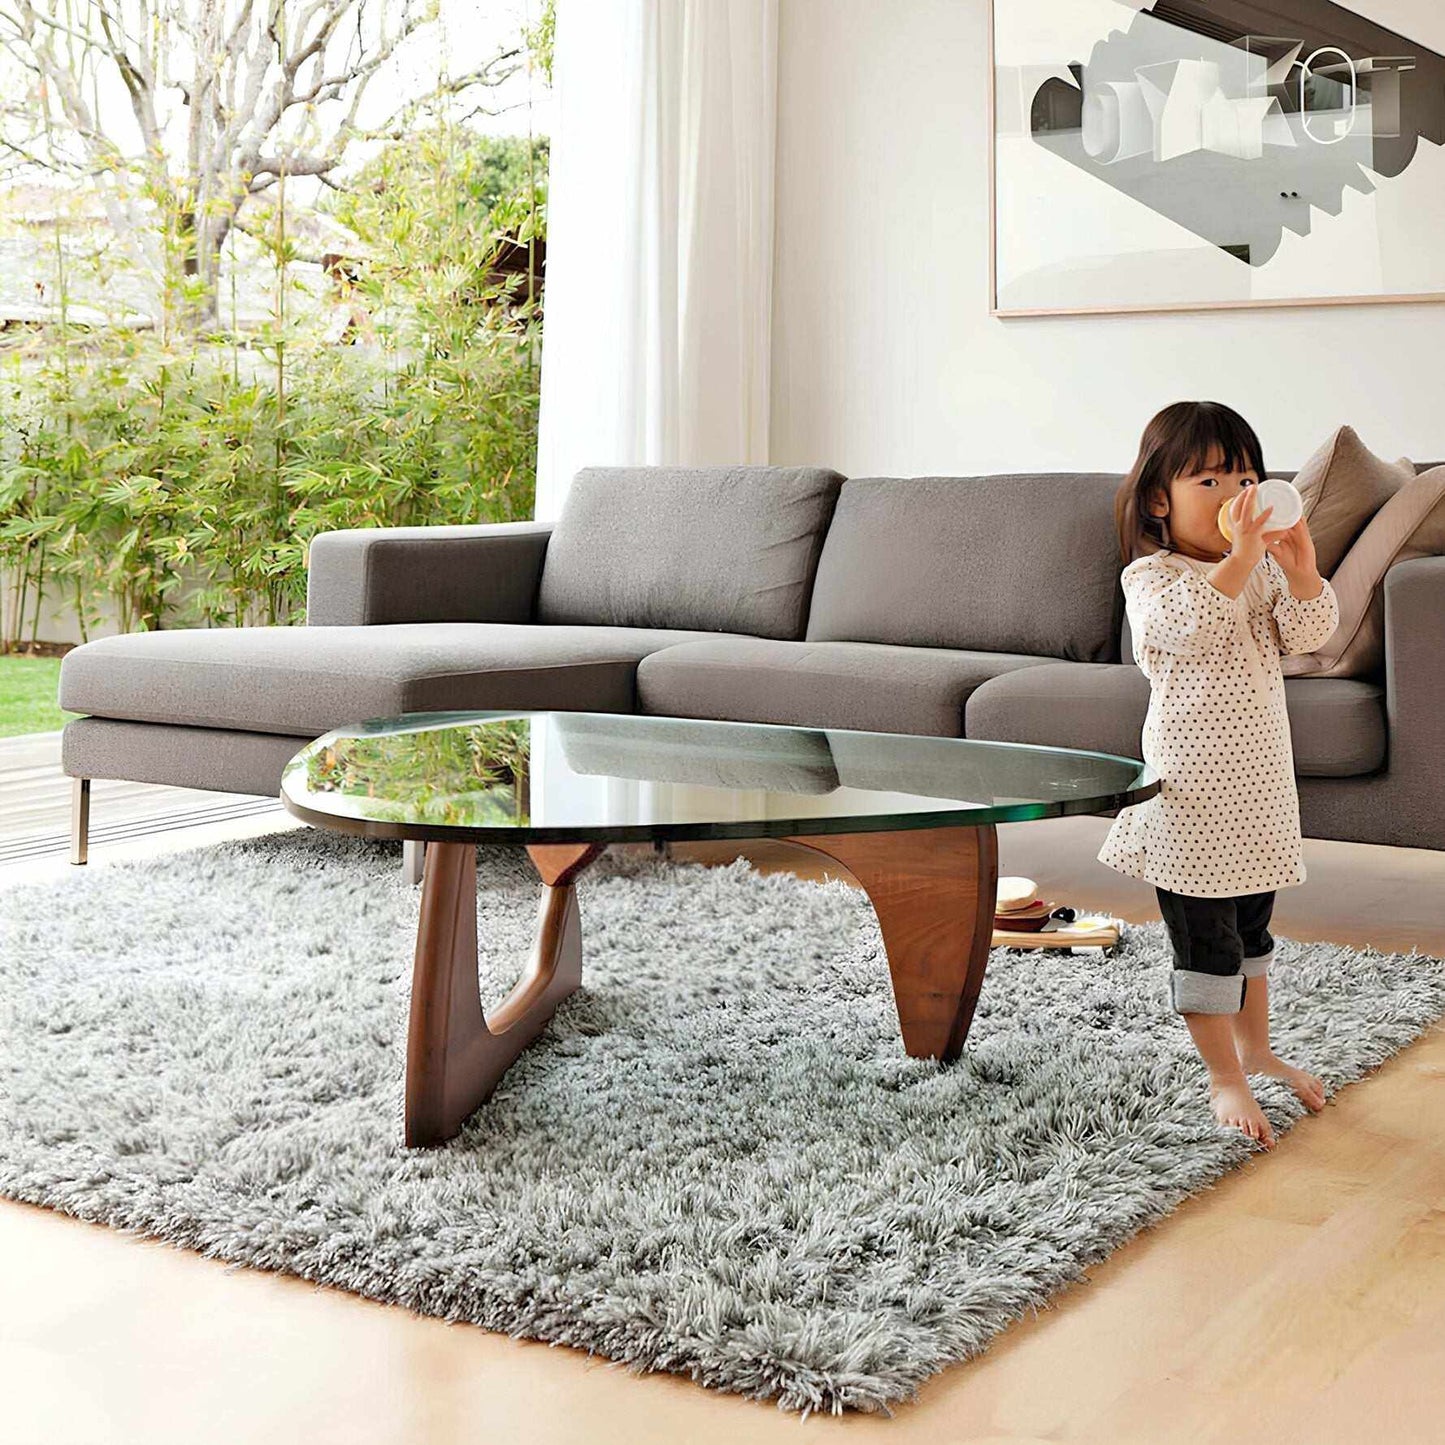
(1210, 620)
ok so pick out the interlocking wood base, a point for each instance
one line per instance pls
(933, 890)
(456, 1055)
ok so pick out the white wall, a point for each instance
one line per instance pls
(885, 358)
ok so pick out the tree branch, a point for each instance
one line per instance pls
(138, 83)
(398, 124)
(270, 88)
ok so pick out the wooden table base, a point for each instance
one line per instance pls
(933, 890)
(455, 1055)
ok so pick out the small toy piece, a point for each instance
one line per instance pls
(1023, 920)
(1012, 893)
(1088, 930)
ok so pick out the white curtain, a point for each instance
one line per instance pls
(658, 300)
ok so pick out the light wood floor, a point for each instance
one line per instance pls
(35, 804)
(1301, 1300)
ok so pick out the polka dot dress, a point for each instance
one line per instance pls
(1226, 818)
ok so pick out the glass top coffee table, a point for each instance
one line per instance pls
(911, 818)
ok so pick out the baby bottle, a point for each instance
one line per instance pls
(1288, 506)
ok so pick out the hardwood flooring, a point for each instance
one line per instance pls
(35, 804)
(1300, 1300)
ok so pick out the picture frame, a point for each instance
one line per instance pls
(1173, 156)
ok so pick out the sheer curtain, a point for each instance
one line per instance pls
(660, 237)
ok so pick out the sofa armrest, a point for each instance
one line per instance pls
(1415, 672)
(372, 575)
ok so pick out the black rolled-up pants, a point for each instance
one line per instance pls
(1218, 943)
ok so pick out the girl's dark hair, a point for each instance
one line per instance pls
(1178, 441)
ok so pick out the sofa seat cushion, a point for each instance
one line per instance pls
(304, 681)
(864, 685)
(1337, 724)
(1097, 706)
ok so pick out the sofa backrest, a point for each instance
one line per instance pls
(723, 549)
(1012, 563)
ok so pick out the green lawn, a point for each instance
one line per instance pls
(27, 696)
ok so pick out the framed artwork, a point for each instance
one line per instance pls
(1192, 154)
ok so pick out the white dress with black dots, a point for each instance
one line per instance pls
(1226, 818)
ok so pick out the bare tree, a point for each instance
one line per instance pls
(226, 98)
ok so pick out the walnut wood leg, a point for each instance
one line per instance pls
(455, 1054)
(934, 891)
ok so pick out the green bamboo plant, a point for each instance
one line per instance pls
(477, 776)
(178, 479)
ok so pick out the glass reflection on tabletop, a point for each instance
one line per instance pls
(475, 776)
(623, 773)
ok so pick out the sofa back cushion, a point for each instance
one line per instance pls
(1009, 563)
(723, 549)
(1343, 485)
(1410, 524)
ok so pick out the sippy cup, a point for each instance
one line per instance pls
(1272, 492)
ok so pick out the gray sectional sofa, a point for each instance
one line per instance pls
(986, 607)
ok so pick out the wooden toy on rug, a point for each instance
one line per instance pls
(1024, 920)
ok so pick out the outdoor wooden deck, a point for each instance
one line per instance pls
(35, 804)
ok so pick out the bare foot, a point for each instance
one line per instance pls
(1235, 1106)
(1310, 1090)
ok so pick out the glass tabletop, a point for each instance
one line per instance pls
(541, 777)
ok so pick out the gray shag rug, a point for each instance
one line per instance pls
(718, 1161)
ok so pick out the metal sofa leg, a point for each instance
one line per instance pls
(79, 819)
(413, 857)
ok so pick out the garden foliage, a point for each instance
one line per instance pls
(169, 479)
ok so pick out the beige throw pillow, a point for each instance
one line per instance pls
(1343, 485)
(1410, 524)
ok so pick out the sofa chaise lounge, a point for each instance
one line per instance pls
(985, 607)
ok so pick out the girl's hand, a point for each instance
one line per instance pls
(1248, 526)
(1294, 550)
